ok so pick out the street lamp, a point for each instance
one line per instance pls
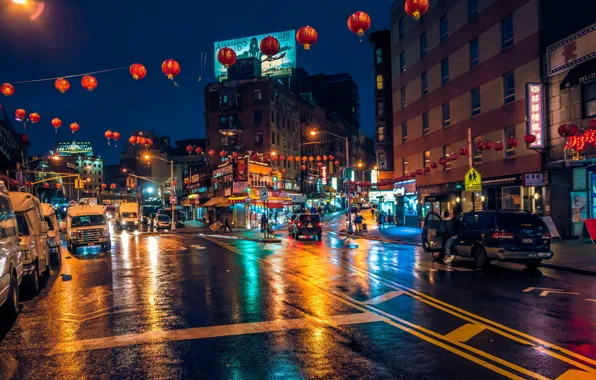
(148, 157)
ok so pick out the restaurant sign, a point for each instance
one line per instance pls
(535, 114)
(572, 51)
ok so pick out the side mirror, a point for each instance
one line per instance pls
(62, 225)
(43, 227)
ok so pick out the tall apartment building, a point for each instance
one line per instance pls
(381, 41)
(459, 77)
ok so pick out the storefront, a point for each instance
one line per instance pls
(384, 200)
(406, 204)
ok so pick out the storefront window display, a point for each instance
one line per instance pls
(579, 210)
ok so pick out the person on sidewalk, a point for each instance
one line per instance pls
(264, 222)
(372, 213)
(227, 225)
(449, 231)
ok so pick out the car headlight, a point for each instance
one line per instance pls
(124, 222)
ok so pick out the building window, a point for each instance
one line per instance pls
(258, 116)
(380, 108)
(589, 92)
(379, 55)
(424, 81)
(426, 157)
(382, 161)
(475, 95)
(404, 166)
(507, 33)
(425, 126)
(477, 153)
(277, 119)
(272, 137)
(400, 27)
(474, 53)
(272, 117)
(472, 8)
(404, 133)
(278, 137)
(257, 94)
(423, 48)
(284, 141)
(379, 81)
(402, 61)
(509, 132)
(446, 153)
(508, 88)
(381, 134)
(403, 97)
(443, 28)
(446, 111)
(444, 71)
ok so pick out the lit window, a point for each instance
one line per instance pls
(379, 81)
(381, 134)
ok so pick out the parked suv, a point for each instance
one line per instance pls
(87, 226)
(11, 267)
(162, 221)
(307, 225)
(53, 232)
(33, 233)
(516, 236)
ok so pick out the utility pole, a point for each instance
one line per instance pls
(173, 194)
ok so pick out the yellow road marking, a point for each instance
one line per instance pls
(574, 374)
(464, 333)
(495, 325)
(402, 325)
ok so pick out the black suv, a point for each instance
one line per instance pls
(517, 236)
(307, 225)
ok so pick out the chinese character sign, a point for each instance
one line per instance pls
(535, 113)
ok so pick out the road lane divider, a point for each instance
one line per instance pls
(425, 334)
(505, 331)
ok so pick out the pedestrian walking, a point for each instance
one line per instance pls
(449, 231)
(264, 221)
(227, 225)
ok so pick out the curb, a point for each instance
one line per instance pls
(402, 242)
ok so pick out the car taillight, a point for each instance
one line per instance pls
(546, 235)
(299, 224)
(502, 235)
(319, 224)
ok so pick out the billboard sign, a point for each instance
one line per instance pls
(572, 51)
(279, 65)
(535, 114)
(74, 148)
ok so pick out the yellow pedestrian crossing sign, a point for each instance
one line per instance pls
(473, 180)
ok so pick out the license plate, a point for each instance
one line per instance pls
(532, 255)
(90, 244)
(309, 225)
(527, 241)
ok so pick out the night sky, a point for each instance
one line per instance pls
(71, 37)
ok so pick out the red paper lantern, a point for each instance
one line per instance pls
(34, 118)
(320, 164)
(325, 158)
(564, 130)
(311, 158)
(62, 85)
(46, 185)
(416, 8)
(7, 89)
(331, 157)
(463, 151)
(138, 71)
(412, 174)
(512, 142)
(56, 123)
(269, 46)
(223, 153)
(282, 158)
(499, 146)
(453, 156)
(254, 157)
(113, 186)
(593, 124)
(108, 134)
(443, 161)
(427, 169)
(103, 186)
(89, 82)
(297, 158)
(303, 167)
(211, 153)
(170, 68)
(573, 130)
(489, 145)
(132, 140)
(74, 127)
(336, 162)
(198, 150)
(189, 149)
(290, 158)
(141, 140)
(304, 158)
(358, 23)
(58, 186)
(434, 165)
(20, 114)
(419, 171)
(283, 171)
(318, 158)
(529, 138)
(306, 36)
(226, 56)
(480, 145)
(149, 142)
(234, 155)
(116, 136)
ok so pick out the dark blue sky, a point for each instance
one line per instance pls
(81, 36)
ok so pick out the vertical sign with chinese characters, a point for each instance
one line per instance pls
(324, 175)
(535, 114)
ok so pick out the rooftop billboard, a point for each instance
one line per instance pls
(279, 65)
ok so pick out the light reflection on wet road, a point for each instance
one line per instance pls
(181, 306)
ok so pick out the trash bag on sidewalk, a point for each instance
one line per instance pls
(215, 226)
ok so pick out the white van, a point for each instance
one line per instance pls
(33, 232)
(11, 260)
(87, 226)
(53, 232)
(127, 215)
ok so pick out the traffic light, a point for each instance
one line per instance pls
(79, 184)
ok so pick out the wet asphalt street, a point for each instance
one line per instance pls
(181, 306)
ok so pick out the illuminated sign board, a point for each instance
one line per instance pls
(374, 176)
(572, 51)
(324, 175)
(385, 195)
(334, 183)
(74, 148)
(535, 113)
(279, 65)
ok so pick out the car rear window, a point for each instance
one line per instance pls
(520, 221)
(310, 218)
(163, 218)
